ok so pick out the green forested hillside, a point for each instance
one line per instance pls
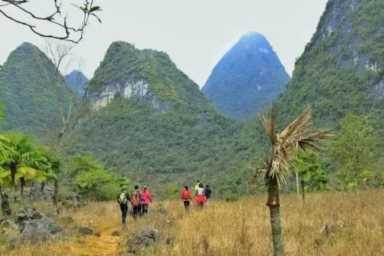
(33, 93)
(181, 142)
(342, 68)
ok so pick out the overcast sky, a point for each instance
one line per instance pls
(194, 33)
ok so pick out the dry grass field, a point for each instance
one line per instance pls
(327, 224)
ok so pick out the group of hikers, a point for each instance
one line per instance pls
(202, 194)
(141, 198)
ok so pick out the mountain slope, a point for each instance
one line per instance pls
(147, 119)
(77, 81)
(248, 78)
(342, 68)
(33, 92)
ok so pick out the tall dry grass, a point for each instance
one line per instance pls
(349, 224)
(327, 224)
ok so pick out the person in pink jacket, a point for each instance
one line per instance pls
(146, 200)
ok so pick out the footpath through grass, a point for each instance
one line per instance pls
(327, 224)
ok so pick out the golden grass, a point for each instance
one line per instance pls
(327, 224)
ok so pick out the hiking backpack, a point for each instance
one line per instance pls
(135, 199)
(123, 198)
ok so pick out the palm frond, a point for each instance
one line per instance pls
(299, 134)
(269, 126)
(298, 126)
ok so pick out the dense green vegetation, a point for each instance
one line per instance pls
(341, 70)
(187, 142)
(93, 181)
(172, 135)
(34, 95)
(340, 75)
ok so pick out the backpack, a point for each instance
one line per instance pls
(186, 195)
(123, 198)
(135, 198)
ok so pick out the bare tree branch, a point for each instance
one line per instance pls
(70, 33)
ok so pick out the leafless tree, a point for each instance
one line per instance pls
(59, 53)
(67, 28)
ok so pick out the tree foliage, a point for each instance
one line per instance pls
(93, 181)
(354, 151)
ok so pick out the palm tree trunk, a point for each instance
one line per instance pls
(297, 184)
(5, 208)
(13, 168)
(22, 185)
(274, 208)
(303, 190)
(42, 186)
(55, 193)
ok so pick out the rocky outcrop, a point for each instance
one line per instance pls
(142, 239)
(129, 89)
(35, 227)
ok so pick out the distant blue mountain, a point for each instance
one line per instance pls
(247, 79)
(77, 81)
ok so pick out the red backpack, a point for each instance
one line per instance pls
(186, 195)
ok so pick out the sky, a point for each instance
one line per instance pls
(196, 34)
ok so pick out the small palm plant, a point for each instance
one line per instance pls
(299, 135)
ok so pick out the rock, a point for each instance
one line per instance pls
(8, 224)
(40, 230)
(38, 192)
(116, 233)
(145, 238)
(86, 231)
(27, 214)
(170, 240)
(35, 227)
(73, 201)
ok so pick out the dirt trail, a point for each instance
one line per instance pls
(105, 221)
(102, 244)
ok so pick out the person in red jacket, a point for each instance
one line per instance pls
(200, 198)
(186, 197)
(145, 200)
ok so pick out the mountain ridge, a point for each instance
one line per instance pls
(33, 92)
(247, 78)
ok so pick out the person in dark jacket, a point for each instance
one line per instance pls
(207, 193)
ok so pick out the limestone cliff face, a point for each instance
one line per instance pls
(137, 89)
(146, 76)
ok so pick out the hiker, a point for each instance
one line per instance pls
(135, 202)
(186, 197)
(196, 188)
(200, 198)
(207, 193)
(123, 202)
(145, 200)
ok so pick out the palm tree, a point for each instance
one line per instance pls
(285, 145)
(25, 162)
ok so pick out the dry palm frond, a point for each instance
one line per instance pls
(297, 135)
(269, 126)
(298, 126)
